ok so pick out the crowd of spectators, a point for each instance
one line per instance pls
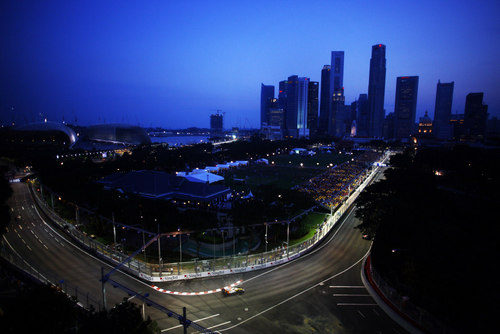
(333, 186)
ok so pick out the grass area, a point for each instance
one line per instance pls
(320, 160)
(283, 177)
(308, 227)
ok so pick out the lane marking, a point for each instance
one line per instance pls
(300, 293)
(361, 314)
(196, 321)
(375, 311)
(356, 304)
(350, 295)
(222, 324)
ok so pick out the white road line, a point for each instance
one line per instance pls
(356, 304)
(361, 314)
(196, 321)
(350, 295)
(375, 311)
(347, 286)
(300, 293)
(222, 324)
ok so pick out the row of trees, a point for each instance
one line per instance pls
(435, 231)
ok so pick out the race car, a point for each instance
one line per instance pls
(232, 291)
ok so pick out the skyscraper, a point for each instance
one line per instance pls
(216, 125)
(337, 124)
(312, 108)
(324, 108)
(266, 96)
(337, 117)
(475, 116)
(362, 116)
(442, 111)
(376, 91)
(296, 106)
(405, 107)
(337, 72)
(283, 85)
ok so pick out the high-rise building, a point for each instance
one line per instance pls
(457, 126)
(362, 116)
(442, 111)
(266, 96)
(337, 72)
(324, 108)
(216, 125)
(276, 117)
(312, 108)
(475, 116)
(405, 107)
(338, 119)
(353, 111)
(376, 91)
(337, 112)
(282, 94)
(296, 106)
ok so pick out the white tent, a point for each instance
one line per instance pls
(204, 177)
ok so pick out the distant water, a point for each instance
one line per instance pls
(180, 140)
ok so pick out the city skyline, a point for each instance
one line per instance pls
(90, 63)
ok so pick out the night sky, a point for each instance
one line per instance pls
(172, 63)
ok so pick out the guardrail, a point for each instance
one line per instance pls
(217, 266)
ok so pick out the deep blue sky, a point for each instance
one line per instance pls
(172, 63)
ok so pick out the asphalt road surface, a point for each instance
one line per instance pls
(320, 292)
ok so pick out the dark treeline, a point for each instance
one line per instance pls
(436, 233)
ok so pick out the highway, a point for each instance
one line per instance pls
(319, 292)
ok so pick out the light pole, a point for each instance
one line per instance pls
(265, 236)
(180, 251)
(159, 249)
(223, 249)
(287, 237)
(114, 227)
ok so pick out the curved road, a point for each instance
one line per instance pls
(320, 292)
